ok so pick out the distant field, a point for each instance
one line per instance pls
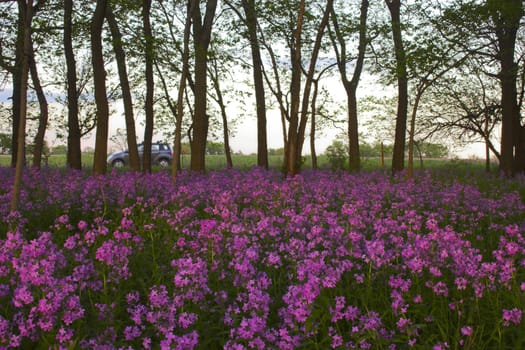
(55, 160)
(216, 162)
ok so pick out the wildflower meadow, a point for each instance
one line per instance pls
(253, 260)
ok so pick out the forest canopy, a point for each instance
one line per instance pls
(456, 68)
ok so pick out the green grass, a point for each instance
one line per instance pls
(217, 162)
(55, 160)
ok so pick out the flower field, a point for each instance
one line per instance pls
(251, 260)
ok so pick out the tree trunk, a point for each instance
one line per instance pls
(202, 35)
(398, 158)
(24, 68)
(309, 80)
(182, 88)
(74, 152)
(411, 133)
(506, 16)
(292, 168)
(352, 84)
(99, 77)
(120, 57)
(313, 126)
(382, 155)
(44, 111)
(251, 23)
(220, 101)
(226, 134)
(487, 158)
(17, 83)
(420, 155)
(519, 159)
(148, 107)
(354, 156)
(510, 123)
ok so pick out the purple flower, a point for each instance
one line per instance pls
(466, 331)
(82, 225)
(512, 316)
(64, 335)
(22, 296)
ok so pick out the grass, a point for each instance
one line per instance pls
(246, 162)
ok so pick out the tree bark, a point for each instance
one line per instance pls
(182, 88)
(251, 24)
(313, 108)
(398, 157)
(17, 82)
(24, 68)
(202, 35)
(506, 16)
(44, 111)
(309, 81)
(148, 107)
(351, 85)
(120, 57)
(411, 133)
(487, 150)
(220, 101)
(74, 153)
(99, 77)
(291, 156)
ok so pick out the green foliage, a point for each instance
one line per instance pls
(433, 150)
(46, 150)
(276, 151)
(337, 154)
(368, 150)
(59, 149)
(214, 148)
(5, 144)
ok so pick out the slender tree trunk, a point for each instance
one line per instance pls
(309, 80)
(182, 88)
(24, 67)
(149, 55)
(44, 111)
(487, 158)
(382, 155)
(251, 23)
(398, 158)
(74, 152)
(411, 133)
(419, 154)
(352, 84)
(17, 83)
(99, 77)
(278, 94)
(291, 156)
(120, 57)
(202, 35)
(226, 135)
(313, 125)
(220, 101)
(520, 149)
(354, 157)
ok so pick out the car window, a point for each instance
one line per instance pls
(154, 148)
(140, 148)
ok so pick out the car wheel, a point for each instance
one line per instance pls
(118, 163)
(164, 163)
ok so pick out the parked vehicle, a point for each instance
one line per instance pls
(161, 155)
